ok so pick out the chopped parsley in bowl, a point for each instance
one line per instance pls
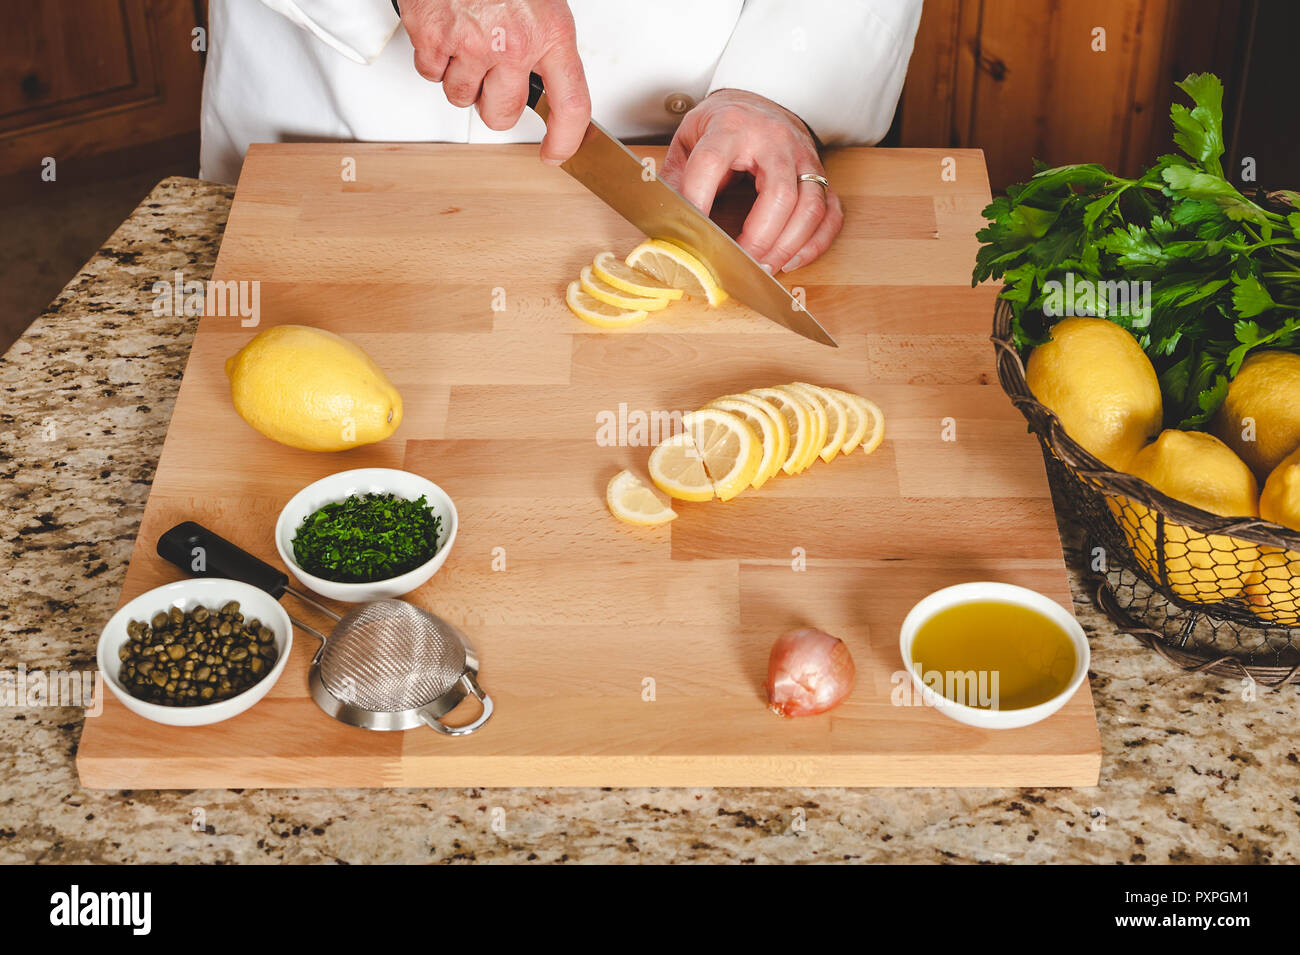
(366, 538)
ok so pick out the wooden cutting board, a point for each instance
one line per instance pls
(617, 655)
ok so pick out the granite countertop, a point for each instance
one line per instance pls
(1193, 769)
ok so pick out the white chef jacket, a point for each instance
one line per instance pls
(312, 70)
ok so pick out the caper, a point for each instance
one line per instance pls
(197, 656)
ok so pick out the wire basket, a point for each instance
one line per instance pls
(1209, 593)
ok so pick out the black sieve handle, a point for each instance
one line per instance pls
(201, 553)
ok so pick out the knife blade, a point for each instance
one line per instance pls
(617, 176)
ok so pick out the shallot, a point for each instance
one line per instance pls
(808, 672)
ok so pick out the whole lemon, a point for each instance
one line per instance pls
(1200, 470)
(312, 389)
(1260, 417)
(1279, 502)
(1099, 382)
(1273, 592)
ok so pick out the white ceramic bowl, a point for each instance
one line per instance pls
(341, 486)
(208, 592)
(1009, 593)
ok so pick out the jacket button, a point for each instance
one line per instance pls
(678, 103)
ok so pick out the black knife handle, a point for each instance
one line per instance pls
(190, 545)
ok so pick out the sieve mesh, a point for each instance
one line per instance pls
(390, 655)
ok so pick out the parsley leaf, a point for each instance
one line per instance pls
(1217, 274)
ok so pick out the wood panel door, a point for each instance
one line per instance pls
(1060, 81)
(82, 78)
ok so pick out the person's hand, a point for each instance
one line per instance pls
(482, 51)
(731, 131)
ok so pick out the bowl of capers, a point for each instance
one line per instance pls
(195, 652)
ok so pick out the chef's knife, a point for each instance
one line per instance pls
(611, 171)
(615, 175)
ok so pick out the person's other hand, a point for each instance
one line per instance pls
(482, 51)
(731, 131)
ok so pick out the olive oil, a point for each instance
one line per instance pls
(993, 654)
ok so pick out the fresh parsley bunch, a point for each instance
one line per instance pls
(1224, 271)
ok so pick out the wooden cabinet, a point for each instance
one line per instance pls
(81, 79)
(1061, 81)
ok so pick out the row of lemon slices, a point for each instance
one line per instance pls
(611, 293)
(741, 441)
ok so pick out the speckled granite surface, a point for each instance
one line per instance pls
(1191, 771)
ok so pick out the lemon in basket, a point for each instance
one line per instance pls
(1273, 591)
(1099, 382)
(1279, 502)
(1260, 417)
(1197, 469)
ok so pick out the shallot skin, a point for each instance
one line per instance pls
(808, 672)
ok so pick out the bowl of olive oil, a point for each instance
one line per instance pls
(994, 655)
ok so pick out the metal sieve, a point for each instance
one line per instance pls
(386, 665)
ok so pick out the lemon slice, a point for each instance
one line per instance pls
(729, 448)
(677, 469)
(630, 499)
(797, 419)
(873, 422)
(598, 313)
(762, 426)
(773, 414)
(837, 421)
(676, 267)
(818, 422)
(612, 270)
(610, 295)
(875, 427)
(858, 420)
